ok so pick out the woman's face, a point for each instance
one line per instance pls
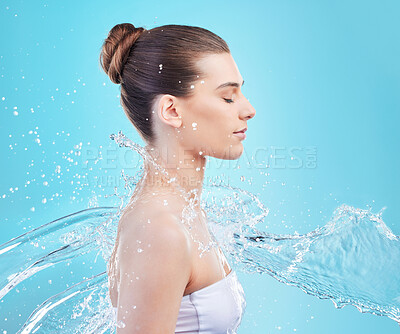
(212, 115)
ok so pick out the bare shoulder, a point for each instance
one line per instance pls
(152, 225)
(155, 267)
(156, 236)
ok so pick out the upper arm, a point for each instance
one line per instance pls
(154, 271)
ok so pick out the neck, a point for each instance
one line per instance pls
(184, 167)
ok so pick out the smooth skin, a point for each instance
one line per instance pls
(155, 261)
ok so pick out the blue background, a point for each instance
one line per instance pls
(322, 75)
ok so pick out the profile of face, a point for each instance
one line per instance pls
(205, 123)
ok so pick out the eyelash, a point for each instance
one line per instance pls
(228, 100)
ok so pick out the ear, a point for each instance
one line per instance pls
(168, 111)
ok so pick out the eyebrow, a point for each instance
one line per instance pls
(233, 84)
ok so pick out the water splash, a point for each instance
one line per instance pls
(352, 260)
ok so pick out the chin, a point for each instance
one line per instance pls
(231, 153)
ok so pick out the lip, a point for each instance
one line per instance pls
(242, 130)
(241, 135)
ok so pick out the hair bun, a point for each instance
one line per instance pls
(116, 47)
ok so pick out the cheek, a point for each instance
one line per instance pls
(196, 128)
(216, 128)
(208, 125)
(206, 120)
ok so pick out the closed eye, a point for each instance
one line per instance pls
(228, 100)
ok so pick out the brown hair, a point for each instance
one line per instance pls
(148, 63)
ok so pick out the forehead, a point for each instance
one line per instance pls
(218, 69)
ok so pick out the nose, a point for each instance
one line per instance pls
(248, 111)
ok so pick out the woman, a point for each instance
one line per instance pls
(181, 89)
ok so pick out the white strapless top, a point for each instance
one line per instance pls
(214, 309)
